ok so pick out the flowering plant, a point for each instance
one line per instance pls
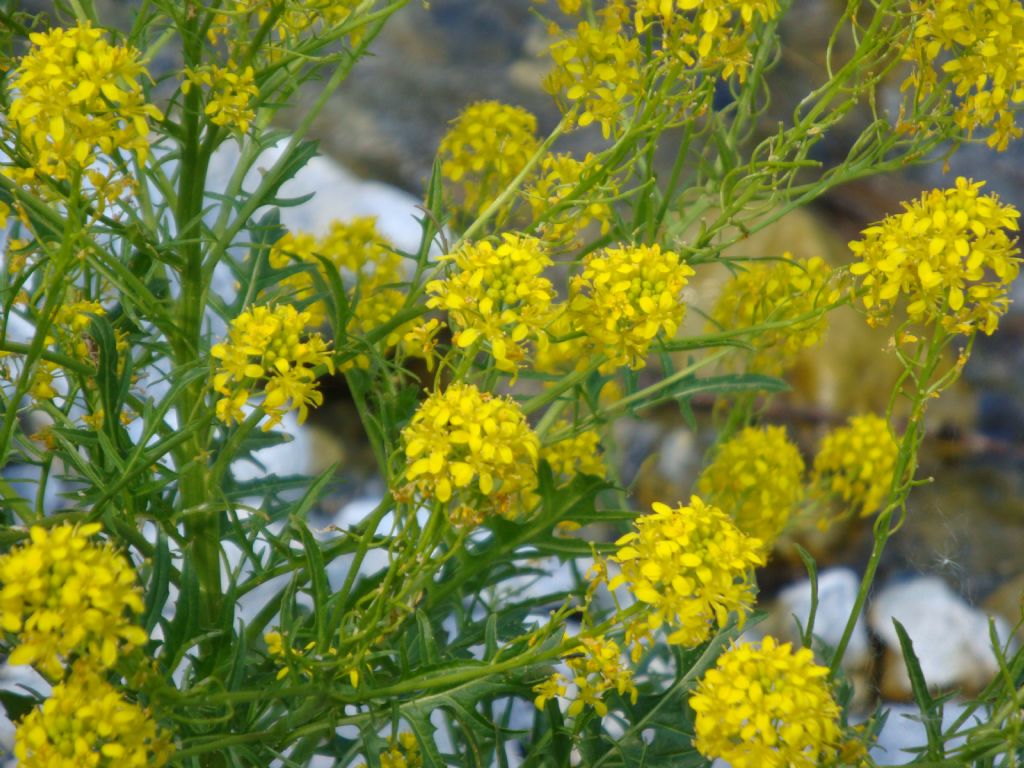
(174, 609)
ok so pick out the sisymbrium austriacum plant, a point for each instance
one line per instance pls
(509, 597)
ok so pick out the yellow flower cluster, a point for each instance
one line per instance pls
(44, 381)
(403, 752)
(75, 94)
(692, 566)
(294, 19)
(624, 297)
(496, 293)
(766, 707)
(597, 667)
(710, 33)
(487, 146)
(63, 595)
(66, 333)
(70, 322)
(950, 255)
(598, 68)
(87, 723)
(856, 463)
(979, 45)
(757, 477)
(579, 454)
(356, 248)
(268, 348)
(369, 266)
(231, 89)
(472, 446)
(777, 292)
(556, 188)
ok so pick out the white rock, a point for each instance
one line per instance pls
(837, 593)
(284, 459)
(950, 638)
(339, 194)
(680, 455)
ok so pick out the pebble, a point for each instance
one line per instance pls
(950, 637)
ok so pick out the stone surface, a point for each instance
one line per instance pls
(950, 638)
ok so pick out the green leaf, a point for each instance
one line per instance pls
(16, 705)
(183, 628)
(113, 388)
(320, 589)
(159, 584)
(807, 633)
(425, 639)
(931, 710)
(729, 384)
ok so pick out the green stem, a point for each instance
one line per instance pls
(902, 482)
(513, 186)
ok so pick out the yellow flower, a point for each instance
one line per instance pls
(756, 477)
(305, 659)
(404, 752)
(624, 297)
(856, 464)
(43, 379)
(578, 454)
(497, 294)
(950, 255)
(774, 292)
(421, 339)
(87, 722)
(598, 68)
(709, 33)
(70, 323)
(550, 688)
(487, 146)
(596, 668)
(465, 445)
(75, 95)
(766, 707)
(269, 348)
(65, 595)
(294, 19)
(231, 93)
(979, 46)
(560, 178)
(692, 567)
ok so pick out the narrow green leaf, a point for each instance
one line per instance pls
(931, 711)
(428, 645)
(807, 633)
(317, 573)
(159, 584)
